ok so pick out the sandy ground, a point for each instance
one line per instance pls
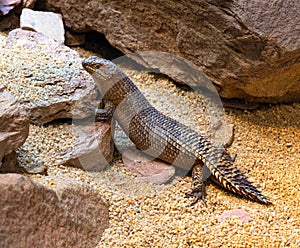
(268, 150)
(144, 215)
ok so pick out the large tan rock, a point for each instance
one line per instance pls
(46, 77)
(14, 127)
(249, 49)
(31, 215)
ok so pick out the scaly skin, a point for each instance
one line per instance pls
(163, 137)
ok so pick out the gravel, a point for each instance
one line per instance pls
(46, 144)
(146, 215)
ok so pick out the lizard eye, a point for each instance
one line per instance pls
(97, 66)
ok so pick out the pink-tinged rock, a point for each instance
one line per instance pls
(14, 129)
(241, 214)
(70, 214)
(14, 124)
(146, 169)
(93, 148)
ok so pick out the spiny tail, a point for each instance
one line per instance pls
(235, 180)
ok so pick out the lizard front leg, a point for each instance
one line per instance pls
(103, 114)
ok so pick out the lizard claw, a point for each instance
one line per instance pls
(198, 195)
(233, 157)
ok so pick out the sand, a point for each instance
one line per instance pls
(145, 215)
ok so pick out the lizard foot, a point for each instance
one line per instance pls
(101, 115)
(197, 194)
(104, 114)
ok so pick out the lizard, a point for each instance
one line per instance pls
(165, 138)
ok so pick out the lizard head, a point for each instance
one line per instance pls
(104, 72)
(102, 69)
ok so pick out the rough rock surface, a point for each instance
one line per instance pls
(248, 49)
(71, 215)
(147, 169)
(14, 127)
(47, 23)
(93, 148)
(46, 77)
(9, 164)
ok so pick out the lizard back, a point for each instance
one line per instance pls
(163, 137)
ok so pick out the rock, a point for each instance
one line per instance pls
(47, 23)
(46, 77)
(146, 169)
(240, 45)
(9, 164)
(70, 214)
(14, 128)
(261, 18)
(94, 147)
(240, 213)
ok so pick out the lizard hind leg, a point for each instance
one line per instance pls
(200, 174)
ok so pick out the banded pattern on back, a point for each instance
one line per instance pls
(164, 137)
